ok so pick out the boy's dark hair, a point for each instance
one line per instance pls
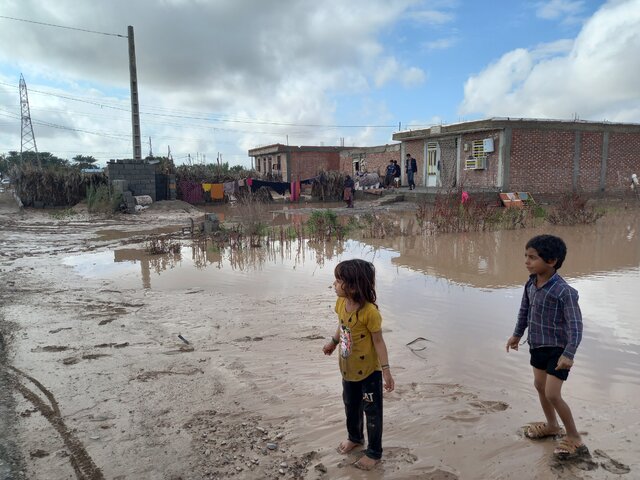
(549, 247)
(359, 280)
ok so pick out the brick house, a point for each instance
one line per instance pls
(294, 163)
(368, 159)
(533, 155)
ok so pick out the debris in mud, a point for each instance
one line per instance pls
(183, 339)
(38, 454)
(610, 464)
(228, 446)
(58, 330)
(112, 345)
(51, 348)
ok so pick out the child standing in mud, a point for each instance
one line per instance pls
(550, 311)
(363, 358)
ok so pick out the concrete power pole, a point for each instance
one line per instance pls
(135, 108)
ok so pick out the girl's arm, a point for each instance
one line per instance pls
(331, 345)
(381, 350)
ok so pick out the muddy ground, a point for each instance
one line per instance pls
(100, 381)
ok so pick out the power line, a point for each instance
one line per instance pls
(62, 26)
(202, 115)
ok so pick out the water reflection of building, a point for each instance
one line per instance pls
(148, 262)
(496, 259)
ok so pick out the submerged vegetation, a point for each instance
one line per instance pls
(450, 214)
(574, 210)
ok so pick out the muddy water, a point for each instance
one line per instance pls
(458, 295)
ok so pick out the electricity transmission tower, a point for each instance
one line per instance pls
(28, 143)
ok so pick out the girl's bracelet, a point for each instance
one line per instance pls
(335, 342)
(385, 366)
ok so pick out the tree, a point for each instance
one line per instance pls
(84, 161)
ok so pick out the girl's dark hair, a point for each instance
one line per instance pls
(359, 280)
(549, 248)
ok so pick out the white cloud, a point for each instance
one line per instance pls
(440, 44)
(558, 9)
(433, 17)
(595, 76)
(390, 70)
(278, 62)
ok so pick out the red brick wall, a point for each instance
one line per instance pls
(376, 158)
(478, 179)
(448, 161)
(541, 161)
(416, 149)
(590, 161)
(623, 160)
(308, 164)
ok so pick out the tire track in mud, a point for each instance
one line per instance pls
(81, 461)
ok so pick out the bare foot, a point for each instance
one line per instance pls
(346, 446)
(366, 463)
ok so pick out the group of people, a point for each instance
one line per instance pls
(393, 173)
(549, 310)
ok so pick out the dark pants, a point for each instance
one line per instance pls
(410, 175)
(365, 397)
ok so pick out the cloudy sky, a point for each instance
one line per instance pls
(222, 76)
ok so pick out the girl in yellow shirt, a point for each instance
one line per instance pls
(363, 358)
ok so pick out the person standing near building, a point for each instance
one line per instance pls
(389, 174)
(397, 173)
(411, 168)
(349, 191)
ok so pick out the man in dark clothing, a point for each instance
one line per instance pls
(411, 169)
(397, 173)
(389, 174)
(349, 190)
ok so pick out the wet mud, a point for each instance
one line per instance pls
(209, 364)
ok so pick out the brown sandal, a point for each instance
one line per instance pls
(568, 448)
(539, 430)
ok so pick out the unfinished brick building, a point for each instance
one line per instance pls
(289, 163)
(533, 155)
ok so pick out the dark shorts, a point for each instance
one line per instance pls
(546, 358)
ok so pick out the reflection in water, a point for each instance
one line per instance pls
(473, 309)
(496, 259)
(157, 263)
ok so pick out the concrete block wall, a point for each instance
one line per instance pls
(140, 176)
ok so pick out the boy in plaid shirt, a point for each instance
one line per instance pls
(550, 311)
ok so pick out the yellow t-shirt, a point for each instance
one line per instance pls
(358, 357)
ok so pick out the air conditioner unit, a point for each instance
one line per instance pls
(475, 163)
(487, 145)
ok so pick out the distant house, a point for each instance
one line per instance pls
(368, 159)
(533, 155)
(294, 163)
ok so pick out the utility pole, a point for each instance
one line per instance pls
(150, 148)
(135, 107)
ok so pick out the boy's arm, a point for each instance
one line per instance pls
(573, 317)
(381, 350)
(523, 314)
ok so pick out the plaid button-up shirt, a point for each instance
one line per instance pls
(552, 315)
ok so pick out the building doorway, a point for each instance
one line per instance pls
(431, 179)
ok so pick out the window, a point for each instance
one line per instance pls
(478, 158)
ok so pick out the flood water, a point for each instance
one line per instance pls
(459, 291)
